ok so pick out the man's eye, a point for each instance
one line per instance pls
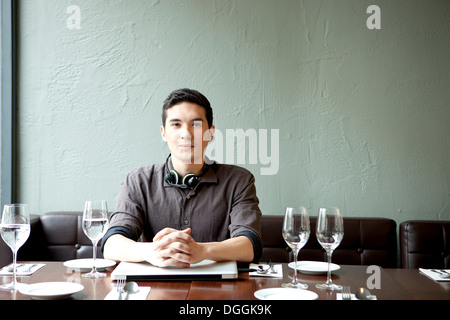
(175, 124)
(197, 124)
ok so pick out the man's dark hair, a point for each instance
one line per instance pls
(187, 95)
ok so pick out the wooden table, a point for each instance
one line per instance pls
(419, 286)
(396, 284)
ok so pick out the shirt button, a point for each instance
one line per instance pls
(186, 222)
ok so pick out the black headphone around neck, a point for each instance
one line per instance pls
(190, 180)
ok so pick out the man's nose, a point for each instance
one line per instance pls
(185, 132)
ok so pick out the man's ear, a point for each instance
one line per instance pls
(163, 133)
(209, 134)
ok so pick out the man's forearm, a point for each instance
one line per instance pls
(120, 248)
(238, 249)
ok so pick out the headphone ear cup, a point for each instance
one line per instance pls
(189, 180)
(172, 177)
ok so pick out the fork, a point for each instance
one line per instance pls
(120, 285)
(271, 266)
(442, 273)
(346, 294)
(30, 268)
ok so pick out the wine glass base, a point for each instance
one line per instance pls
(326, 286)
(94, 275)
(12, 286)
(297, 285)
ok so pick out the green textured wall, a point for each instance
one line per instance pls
(363, 115)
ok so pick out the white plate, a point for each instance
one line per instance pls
(85, 265)
(285, 294)
(51, 290)
(314, 267)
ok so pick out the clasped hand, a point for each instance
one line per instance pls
(173, 247)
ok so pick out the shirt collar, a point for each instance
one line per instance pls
(210, 175)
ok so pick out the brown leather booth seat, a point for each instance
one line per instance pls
(367, 241)
(5, 254)
(57, 236)
(425, 244)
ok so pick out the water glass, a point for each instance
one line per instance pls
(15, 230)
(95, 225)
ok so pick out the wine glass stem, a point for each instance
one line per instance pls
(295, 253)
(94, 255)
(329, 252)
(14, 268)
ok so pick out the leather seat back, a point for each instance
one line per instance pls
(58, 236)
(367, 241)
(425, 244)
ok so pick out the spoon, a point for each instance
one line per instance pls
(261, 270)
(130, 287)
(363, 294)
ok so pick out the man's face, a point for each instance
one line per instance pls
(186, 132)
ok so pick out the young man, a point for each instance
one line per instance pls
(185, 211)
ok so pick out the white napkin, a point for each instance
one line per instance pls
(339, 297)
(277, 267)
(434, 275)
(140, 295)
(22, 269)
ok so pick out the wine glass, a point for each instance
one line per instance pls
(329, 233)
(15, 230)
(296, 232)
(95, 224)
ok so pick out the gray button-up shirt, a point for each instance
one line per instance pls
(222, 205)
